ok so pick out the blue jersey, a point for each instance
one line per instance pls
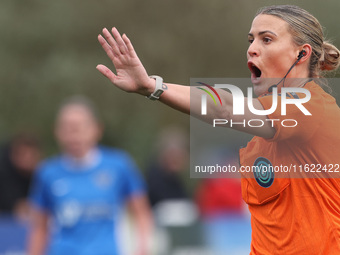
(85, 199)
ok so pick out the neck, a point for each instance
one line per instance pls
(80, 155)
(90, 158)
(295, 82)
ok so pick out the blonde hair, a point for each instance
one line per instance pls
(83, 102)
(305, 28)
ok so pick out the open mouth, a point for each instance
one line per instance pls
(256, 72)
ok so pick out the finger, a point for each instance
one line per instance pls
(111, 41)
(107, 48)
(129, 45)
(107, 73)
(122, 47)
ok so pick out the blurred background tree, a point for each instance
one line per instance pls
(49, 51)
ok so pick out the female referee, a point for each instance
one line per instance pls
(288, 215)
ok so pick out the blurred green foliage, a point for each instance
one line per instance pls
(49, 51)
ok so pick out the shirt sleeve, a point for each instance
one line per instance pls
(295, 124)
(39, 192)
(134, 182)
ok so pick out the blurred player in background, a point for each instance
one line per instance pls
(18, 160)
(171, 160)
(77, 196)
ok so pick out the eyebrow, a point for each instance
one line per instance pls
(263, 32)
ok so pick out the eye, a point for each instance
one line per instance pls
(250, 40)
(267, 40)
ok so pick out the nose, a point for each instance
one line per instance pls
(253, 50)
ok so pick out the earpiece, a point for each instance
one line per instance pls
(301, 54)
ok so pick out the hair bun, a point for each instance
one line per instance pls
(330, 58)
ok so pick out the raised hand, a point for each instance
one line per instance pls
(131, 75)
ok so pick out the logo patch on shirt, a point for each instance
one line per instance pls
(68, 213)
(263, 172)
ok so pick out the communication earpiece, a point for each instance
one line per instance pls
(301, 54)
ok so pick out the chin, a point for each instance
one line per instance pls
(260, 89)
(76, 152)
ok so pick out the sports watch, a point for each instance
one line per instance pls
(159, 89)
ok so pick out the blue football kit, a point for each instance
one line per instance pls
(84, 200)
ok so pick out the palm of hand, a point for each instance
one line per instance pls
(131, 75)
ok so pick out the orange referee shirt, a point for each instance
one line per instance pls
(296, 212)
